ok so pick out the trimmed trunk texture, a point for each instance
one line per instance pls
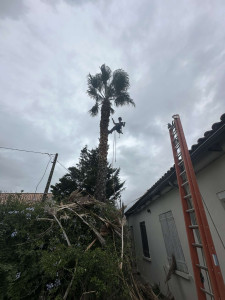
(100, 192)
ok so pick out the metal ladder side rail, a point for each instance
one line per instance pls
(195, 227)
(187, 220)
(214, 270)
(193, 222)
(201, 228)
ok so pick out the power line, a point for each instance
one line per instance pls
(133, 200)
(44, 173)
(63, 166)
(23, 150)
(213, 223)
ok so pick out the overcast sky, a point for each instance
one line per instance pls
(173, 51)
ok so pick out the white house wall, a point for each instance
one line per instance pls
(211, 181)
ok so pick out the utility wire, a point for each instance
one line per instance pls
(63, 166)
(133, 201)
(66, 169)
(43, 174)
(23, 150)
(213, 223)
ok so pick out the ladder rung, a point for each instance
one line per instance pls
(180, 162)
(182, 172)
(197, 245)
(174, 131)
(193, 226)
(190, 210)
(207, 292)
(184, 183)
(177, 145)
(179, 154)
(202, 267)
(187, 196)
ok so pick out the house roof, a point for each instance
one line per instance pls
(208, 142)
(24, 197)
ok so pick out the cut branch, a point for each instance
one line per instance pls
(64, 233)
(98, 235)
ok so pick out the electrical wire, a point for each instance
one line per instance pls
(23, 150)
(213, 222)
(63, 166)
(65, 169)
(43, 174)
(133, 201)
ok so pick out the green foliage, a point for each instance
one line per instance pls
(19, 269)
(110, 86)
(36, 261)
(83, 178)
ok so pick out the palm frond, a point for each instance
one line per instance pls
(124, 98)
(94, 110)
(95, 81)
(111, 91)
(111, 111)
(120, 81)
(106, 73)
(92, 92)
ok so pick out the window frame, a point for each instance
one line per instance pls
(144, 239)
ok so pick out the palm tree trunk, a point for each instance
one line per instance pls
(100, 192)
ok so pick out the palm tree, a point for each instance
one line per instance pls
(106, 88)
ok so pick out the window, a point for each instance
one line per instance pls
(144, 239)
(172, 241)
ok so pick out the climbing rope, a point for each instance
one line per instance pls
(115, 145)
(114, 149)
(114, 160)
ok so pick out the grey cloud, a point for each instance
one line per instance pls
(24, 170)
(173, 53)
(13, 9)
(54, 3)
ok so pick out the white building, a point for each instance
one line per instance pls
(157, 223)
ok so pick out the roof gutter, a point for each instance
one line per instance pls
(147, 197)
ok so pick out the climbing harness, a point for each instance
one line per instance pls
(118, 126)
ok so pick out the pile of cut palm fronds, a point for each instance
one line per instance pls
(107, 227)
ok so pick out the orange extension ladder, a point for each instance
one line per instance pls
(207, 273)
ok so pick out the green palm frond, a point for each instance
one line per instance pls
(94, 110)
(123, 99)
(95, 81)
(106, 73)
(120, 81)
(111, 91)
(107, 86)
(92, 92)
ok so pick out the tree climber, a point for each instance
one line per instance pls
(118, 126)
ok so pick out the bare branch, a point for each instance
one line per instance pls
(70, 284)
(98, 235)
(91, 244)
(64, 233)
